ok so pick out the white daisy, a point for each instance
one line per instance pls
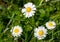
(29, 9)
(51, 25)
(16, 31)
(40, 32)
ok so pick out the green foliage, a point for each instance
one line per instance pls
(11, 15)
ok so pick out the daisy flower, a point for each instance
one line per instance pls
(40, 32)
(29, 9)
(51, 25)
(16, 31)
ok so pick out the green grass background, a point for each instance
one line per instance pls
(11, 15)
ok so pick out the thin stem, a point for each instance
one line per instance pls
(53, 34)
(10, 20)
(56, 32)
(52, 37)
(8, 23)
(15, 39)
(40, 3)
(34, 39)
(26, 37)
(30, 35)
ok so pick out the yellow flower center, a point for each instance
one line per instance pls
(50, 24)
(40, 32)
(28, 9)
(16, 30)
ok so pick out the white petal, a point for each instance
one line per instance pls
(35, 34)
(23, 10)
(27, 14)
(33, 8)
(35, 29)
(39, 38)
(32, 12)
(53, 23)
(46, 0)
(28, 5)
(25, 5)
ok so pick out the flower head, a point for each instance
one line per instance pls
(16, 31)
(51, 25)
(29, 9)
(40, 32)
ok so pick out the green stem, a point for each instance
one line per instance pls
(26, 37)
(8, 23)
(7, 26)
(40, 3)
(30, 35)
(15, 39)
(33, 38)
(52, 37)
(54, 34)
